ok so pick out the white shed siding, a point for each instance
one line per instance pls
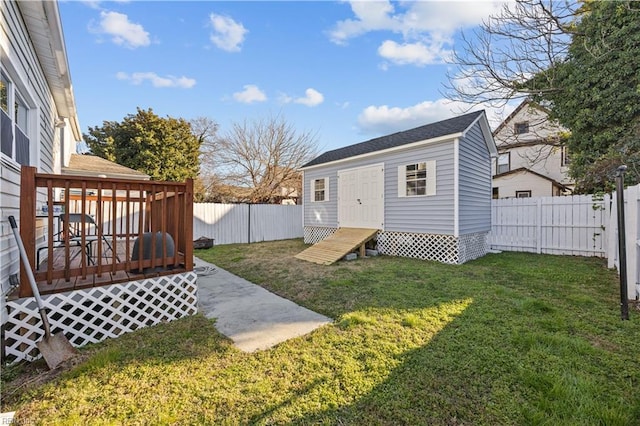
(426, 214)
(474, 183)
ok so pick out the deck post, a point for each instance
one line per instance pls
(188, 226)
(27, 224)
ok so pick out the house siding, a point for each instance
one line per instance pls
(425, 214)
(21, 64)
(474, 183)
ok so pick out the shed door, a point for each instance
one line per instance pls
(361, 197)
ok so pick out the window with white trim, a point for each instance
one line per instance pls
(523, 194)
(521, 128)
(320, 190)
(14, 122)
(417, 179)
(566, 158)
(504, 163)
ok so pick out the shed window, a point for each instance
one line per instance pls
(14, 122)
(503, 164)
(523, 194)
(417, 179)
(320, 190)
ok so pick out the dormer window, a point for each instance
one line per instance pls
(521, 128)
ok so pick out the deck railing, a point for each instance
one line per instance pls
(92, 226)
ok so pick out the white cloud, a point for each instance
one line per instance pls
(413, 53)
(227, 34)
(312, 98)
(425, 27)
(250, 94)
(138, 78)
(122, 31)
(382, 120)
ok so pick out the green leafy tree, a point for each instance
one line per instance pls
(164, 148)
(598, 95)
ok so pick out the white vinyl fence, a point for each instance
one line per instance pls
(574, 225)
(246, 223)
(581, 225)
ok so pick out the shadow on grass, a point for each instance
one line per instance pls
(507, 339)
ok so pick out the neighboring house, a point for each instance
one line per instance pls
(39, 125)
(531, 161)
(92, 165)
(427, 190)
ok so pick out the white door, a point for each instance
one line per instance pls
(361, 197)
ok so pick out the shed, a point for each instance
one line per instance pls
(426, 190)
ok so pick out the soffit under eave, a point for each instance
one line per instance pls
(45, 31)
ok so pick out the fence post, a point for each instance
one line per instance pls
(622, 258)
(539, 225)
(633, 237)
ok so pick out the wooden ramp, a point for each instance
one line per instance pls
(336, 246)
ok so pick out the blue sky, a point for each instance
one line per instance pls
(345, 71)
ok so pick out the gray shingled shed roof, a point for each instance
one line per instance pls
(430, 131)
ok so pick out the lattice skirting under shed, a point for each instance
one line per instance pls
(442, 248)
(314, 234)
(95, 314)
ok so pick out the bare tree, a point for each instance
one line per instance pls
(261, 159)
(205, 129)
(497, 63)
(523, 40)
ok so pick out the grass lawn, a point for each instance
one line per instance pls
(510, 338)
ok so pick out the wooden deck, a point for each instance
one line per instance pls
(91, 280)
(336, 246)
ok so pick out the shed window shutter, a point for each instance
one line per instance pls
(431, 177)
(402, 181)
(326, 189)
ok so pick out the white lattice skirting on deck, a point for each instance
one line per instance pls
(95, 314)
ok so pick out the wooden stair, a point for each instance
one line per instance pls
(336, 246)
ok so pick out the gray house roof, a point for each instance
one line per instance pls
(451, 126)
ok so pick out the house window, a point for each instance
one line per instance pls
(566, 158)
(320, 190)
(523, 194)
(417, 179)
(503, 164)
(14, 122)
(521, 128)
(495, 193)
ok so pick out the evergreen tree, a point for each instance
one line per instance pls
(164, 148)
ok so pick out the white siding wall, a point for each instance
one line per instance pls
(20, 63)
(523, 181)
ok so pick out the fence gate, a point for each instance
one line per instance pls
(575, 225)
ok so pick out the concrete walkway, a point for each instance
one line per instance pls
(251, 316)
